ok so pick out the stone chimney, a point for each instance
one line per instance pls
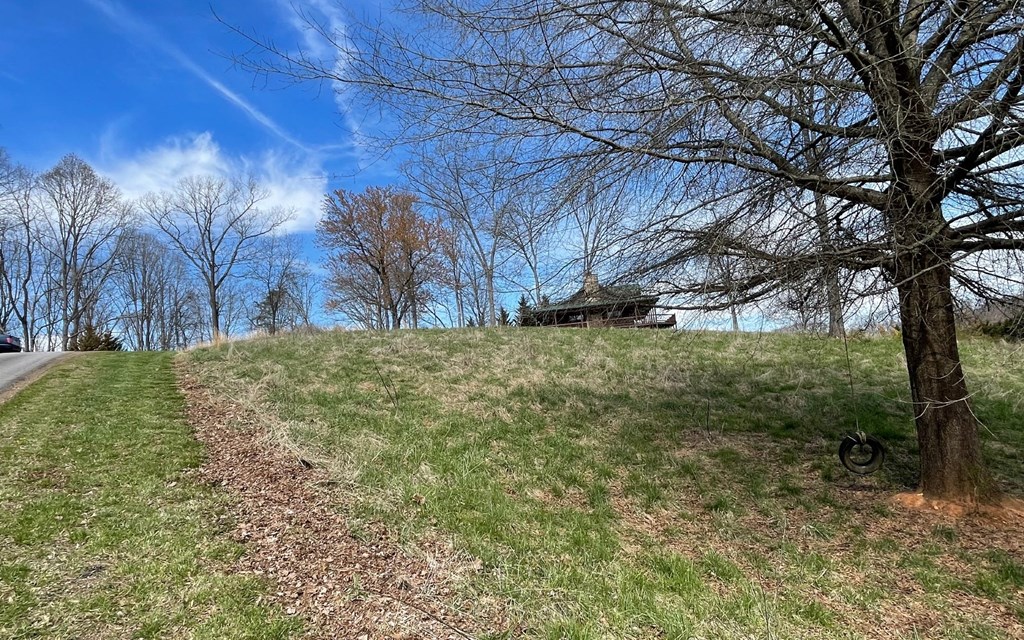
(590, 284)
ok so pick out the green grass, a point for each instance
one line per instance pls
(618, 484)
(104, 532)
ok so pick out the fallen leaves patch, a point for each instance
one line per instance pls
(295, 536)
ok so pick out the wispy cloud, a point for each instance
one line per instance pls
(325, 36)
(134, 27)
(293, 183)
(10, 76)
(326, 14)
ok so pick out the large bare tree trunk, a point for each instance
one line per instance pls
(947, 431)
(414, 309)
(492, 307)
(460, 307)
(65, 328)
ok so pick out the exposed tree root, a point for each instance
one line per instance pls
(1009, 510)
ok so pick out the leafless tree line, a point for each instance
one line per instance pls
(173, 269)
(462, 237)
(510, 232)
(484, 232)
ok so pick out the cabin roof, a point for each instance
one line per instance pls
(604, 296)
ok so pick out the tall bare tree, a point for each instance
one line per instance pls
(21, 280)
(530, 229)
(917, 101)
(155, 290)
(281, 281)
(452, 274)
(215, 224)
(83, 214)
(307, 297)
(595, 214)
(470, 187)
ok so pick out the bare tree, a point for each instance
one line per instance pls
(153, 286)
(280, 276)
(21, 280)
(236, 298)
(918, 103)
(452, 269)
(83, 214)
(306, 297)
(595, 215)
(470, 189)
(215, 224)
(531, 231)
(10, 179)
(138, 278)
(181, 317)
(724, 269)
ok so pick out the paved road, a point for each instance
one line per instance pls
(15, 367)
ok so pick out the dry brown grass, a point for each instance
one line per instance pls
(602, 476)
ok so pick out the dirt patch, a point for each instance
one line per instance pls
(1009, 511)
(342, 585)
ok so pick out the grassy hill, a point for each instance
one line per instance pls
(651, 484)
(106, 530)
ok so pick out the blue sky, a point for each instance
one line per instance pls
(145, 92)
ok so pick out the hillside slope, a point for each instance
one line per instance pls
(641, 485)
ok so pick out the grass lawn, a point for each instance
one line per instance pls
(104, 531)
(618, 484)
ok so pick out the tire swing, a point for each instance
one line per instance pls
(860, 453)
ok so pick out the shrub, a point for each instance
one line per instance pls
(1011, 328)
(92, 340)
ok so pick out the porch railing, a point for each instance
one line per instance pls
(650, 321)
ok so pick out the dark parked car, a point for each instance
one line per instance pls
(9, 342)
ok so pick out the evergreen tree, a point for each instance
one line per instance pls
(524, 314)
(92, 340)
(88, 340)
(109, 342)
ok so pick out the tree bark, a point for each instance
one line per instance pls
(947, 431)
(460, 307)
(65, 328)
(536, 284)
(833, 293)
(214, 316)
(492, 309)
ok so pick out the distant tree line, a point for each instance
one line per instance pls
(83, 267)
(452, 250)
(467, 234)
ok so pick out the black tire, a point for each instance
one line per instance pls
(852, 454)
